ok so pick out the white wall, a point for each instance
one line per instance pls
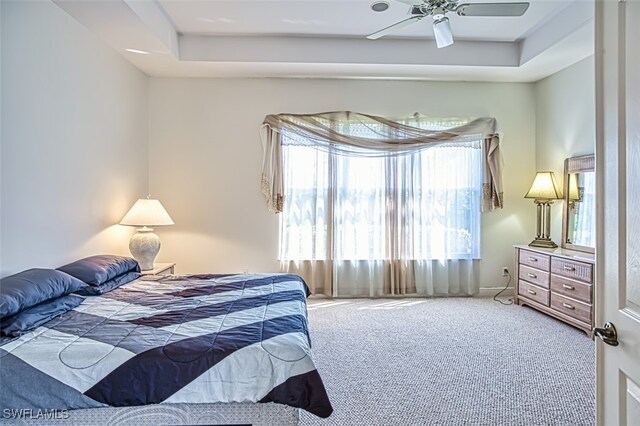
(74, 139)
(205, 156)
(0, 140)
(77, 117)
(565, 124)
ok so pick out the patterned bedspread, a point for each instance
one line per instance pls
(177, 339)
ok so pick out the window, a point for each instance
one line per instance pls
(420, 206)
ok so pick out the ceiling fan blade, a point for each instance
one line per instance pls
(492, 9)
(394, 27)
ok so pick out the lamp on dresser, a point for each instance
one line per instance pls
(145, 244)
(544, 190)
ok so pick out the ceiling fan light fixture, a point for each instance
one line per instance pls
(442, 32)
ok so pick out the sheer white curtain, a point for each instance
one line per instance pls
(363, 225)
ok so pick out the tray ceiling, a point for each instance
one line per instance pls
(307, 38)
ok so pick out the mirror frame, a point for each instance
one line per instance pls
(583, 163)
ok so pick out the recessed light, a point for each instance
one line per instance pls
(380, 6)
(142, 52)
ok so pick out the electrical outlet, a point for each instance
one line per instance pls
(505, 271)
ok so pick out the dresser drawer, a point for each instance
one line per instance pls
(534, 276)
(573, 308)
(572, 269)
(574, 289)
(536, 260)
(533, 292)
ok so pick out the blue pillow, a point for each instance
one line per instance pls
(35, 316)
(28, 288)
(97, 270)
(94, 290)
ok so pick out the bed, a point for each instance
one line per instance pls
(169, 344)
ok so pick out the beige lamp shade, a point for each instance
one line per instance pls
(544, 187)
(147, 212)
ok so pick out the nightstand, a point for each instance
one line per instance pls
(160, 269)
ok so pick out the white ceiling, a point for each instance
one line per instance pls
(310, 38)
(341, 18)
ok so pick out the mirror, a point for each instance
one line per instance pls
(579, 217)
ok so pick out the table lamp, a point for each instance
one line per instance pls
(544, 190)
(144, 244)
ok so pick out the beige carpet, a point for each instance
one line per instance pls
(449, 361)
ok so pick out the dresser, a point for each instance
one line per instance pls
(558, 282)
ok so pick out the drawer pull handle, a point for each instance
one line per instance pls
(531, 291)
(533, 259)
(569, 268)
(530, 275)
(568, 306)
(568, 287)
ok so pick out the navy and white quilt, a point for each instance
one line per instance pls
(173, 339)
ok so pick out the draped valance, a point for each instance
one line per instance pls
(331, 132)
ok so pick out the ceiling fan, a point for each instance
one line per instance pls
(439, 8)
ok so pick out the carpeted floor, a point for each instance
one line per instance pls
(449, 361)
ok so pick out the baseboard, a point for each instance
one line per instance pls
(483, 292)
(492, 291)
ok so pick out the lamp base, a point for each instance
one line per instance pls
(543, 242)
(144, 247)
